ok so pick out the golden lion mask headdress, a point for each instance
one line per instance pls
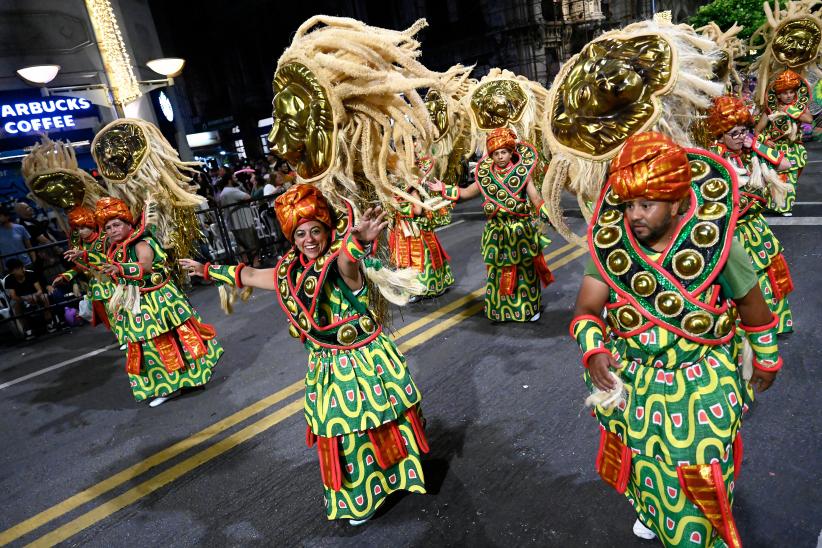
(648, 76)
(346, 108)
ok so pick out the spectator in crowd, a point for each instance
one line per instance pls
(38, 230)
(26, 293)
(240, 219)
(257, 185)
(284, 176)
(15, 240)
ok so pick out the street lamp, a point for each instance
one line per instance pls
(39, 74)
(167, 66)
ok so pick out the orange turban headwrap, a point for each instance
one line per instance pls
(726, 113)
(109, 208)
(81, 216)
(788, 79)
(300, 204)
(502, 137)
(650, 166)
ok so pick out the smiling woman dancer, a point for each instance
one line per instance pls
(361, 405)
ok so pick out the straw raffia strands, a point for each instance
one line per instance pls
(679, 107)
(371, 76)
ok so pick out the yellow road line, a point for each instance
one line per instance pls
(167, 476)
(141, 467)
(118, 479)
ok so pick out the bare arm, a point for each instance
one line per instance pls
(762, 123)
(591, 300)
(416, 209)
(262, 278)
(533, 193)
(806, 117)
(145, 256)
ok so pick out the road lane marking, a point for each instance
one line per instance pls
(143, 466)
(130, 473)
(794, 221)
(449, 225)
(166, 476)
(58, 366)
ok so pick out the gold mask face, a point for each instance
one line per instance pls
(59, 189)
(438, 111)
(120, 151)
(608, 95)
(303, 129)
(796, 43)
(497, 103)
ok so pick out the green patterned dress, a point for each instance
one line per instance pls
(414, 244)
(361, 404)
(100, 286)
(169, 347)
(670, 325)
(756, 236)
(512, 241)
(778, 135)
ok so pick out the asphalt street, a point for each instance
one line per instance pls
(512, 445)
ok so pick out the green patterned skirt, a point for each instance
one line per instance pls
(154, 380)
(674, 418)
(796, 153)
(512, 250)
(349, 395)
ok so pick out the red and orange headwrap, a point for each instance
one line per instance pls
(726, 113)
(81, 216)
(301, 204)
(109, 208)
(501, 137)
(651, 166)
(786, 80)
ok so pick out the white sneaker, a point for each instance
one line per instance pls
(356, 522)
(535, 317)
(643, 532)
(160, 400)
(123, 347)
(787, 214)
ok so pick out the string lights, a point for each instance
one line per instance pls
(124, 85)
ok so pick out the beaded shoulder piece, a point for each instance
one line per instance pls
(507, 194)
(299, 291)
(677, 292)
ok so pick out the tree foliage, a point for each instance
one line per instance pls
(747, 13)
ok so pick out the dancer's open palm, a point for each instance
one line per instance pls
(370, 225)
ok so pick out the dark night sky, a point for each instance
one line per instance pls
(231, 48)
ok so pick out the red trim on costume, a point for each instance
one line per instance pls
(169, 352)
(772, 368)
(310, 437)
(134, 358)
(738, 449)
(206, 275)
(587, 356)
(581, 317)
(98, 314)
(780, 277)
(507, 280)
(328, 451)
(237, 278)
(759, 328)
(613, 462)
(388, 444)
(413, 416)
(191, 340)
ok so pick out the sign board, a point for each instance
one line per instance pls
(32, 116)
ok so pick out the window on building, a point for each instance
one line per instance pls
(239, 146)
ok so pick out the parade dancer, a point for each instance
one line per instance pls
(414, 243)
(87, 250)
(512, 246)
(666, 272)
(729, 122)
(169, 348)
(779, 127)
(361, 405)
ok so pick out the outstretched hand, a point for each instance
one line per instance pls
(192, 267)
(370, 225)
(72, 254)
(435, 186)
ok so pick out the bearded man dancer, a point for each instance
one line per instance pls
(669, 396)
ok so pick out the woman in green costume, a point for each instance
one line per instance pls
(729, 122)
(361, 405)
(168, 346)
(511, 244)
(414, 244)
(779, 127)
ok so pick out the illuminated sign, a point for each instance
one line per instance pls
(165, 107)
(47, 114)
